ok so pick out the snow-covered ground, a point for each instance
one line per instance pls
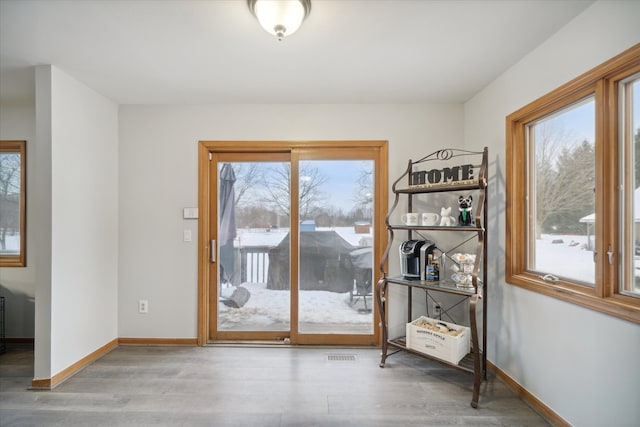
(568, 259)
(571, 258)
(12, 243)
(267, 308)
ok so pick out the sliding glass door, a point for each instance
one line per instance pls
(294, 243)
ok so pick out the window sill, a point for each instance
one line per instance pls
(615, 306)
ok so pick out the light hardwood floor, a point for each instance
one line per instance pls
(255, 386)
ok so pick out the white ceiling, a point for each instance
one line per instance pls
(192, 52)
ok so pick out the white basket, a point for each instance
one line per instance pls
(441, 345)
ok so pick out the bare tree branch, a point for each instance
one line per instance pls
(564, 176)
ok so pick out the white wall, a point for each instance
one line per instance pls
(42, 200)
(84, 221)
(18, 284)
(66, 297)
(159, 176)
(582, 364)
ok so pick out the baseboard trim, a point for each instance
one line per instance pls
(159, 341)
(57, 379)
(533, 401)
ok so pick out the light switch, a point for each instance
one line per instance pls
(190, 213)
(186, 235)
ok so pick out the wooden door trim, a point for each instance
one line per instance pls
(206, 147)
(203, 243)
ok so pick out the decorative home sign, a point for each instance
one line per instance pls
(455, 175)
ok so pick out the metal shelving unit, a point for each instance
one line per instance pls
(475, 296)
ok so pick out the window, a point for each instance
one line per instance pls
(573, 190)
(12, 203)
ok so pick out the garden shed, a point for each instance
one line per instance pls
(325, 263)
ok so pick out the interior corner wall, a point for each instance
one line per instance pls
(159, 177)
(40, 194)
(18, 284)
(580, 363)
(84, 221)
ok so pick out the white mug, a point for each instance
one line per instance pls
(429, 218)
(410, 218)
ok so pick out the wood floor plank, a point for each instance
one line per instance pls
(255, 386)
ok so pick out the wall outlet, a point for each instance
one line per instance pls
(143, 306)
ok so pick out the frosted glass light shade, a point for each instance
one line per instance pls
(280, 17)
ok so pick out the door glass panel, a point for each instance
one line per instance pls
(335, 246)
(253, 246)
(561, 195)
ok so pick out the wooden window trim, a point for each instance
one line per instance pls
(19, 260)
(602, 81)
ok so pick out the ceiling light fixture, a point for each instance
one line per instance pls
(280, 17)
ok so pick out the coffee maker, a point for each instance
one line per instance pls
(413, 256)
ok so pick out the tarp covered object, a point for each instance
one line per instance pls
(362, 258)
(238, 298)
(362, 262)
(325, 263)
(227, 221)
